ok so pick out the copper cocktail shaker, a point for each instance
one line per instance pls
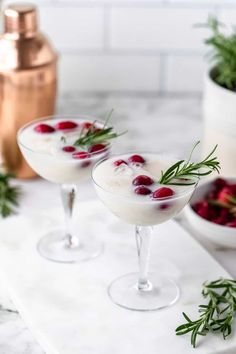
(28, 70)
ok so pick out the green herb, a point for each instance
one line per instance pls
(217, 315)
(223, 55)
(186, 170)
(8, 195)
(95, 135)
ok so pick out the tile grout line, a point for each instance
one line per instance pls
(162, 73)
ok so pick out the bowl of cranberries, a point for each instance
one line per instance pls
(212, 211)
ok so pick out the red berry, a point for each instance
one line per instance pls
(97, 130)
(218, 220)
(142, 180)
(142, 190)
(86, 125)
(66, 125)
(163, 192)
(231, 223)
(136, 159)
(219, 183)
(203, 212)
(80, 155)
(224, 194)
(68, 148)
(44, 128)
(119, 162)
(96, 148)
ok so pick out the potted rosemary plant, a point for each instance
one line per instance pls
(220, 97)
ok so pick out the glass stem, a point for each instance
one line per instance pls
(68, 195)
(143, 240)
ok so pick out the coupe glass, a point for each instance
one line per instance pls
(143, 291)
(64, 245)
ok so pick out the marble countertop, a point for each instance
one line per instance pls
(165, 124)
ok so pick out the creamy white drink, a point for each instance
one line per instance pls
(49, 148)
(128, 186)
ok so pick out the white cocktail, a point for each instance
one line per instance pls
(62, 150)
(128, 185)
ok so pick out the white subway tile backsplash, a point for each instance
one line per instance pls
(71, 28)
(157, 28)
(185, 73)
(130, 45)
(109, 73)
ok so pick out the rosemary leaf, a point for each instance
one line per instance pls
(184, 169)
(217, 315)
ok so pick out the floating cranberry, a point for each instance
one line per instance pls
(163, 192)
(80, 155)
(142, 190)
(44, 128)
(66, 125)
(96, 148)
(69, 148)
(87, 125)
(143, 180)
(119, 162)
(136, 159)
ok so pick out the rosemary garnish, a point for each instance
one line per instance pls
(187, 170)
(8, 195)
(95, 135)
(217, 315)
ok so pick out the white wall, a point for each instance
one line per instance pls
(131, 45)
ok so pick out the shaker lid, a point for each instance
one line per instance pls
(20, 18)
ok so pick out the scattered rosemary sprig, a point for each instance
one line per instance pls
(95, 135)
(217, 315)
(8, 195)
(187, 170)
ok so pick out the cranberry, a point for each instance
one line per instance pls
(231, 223)
(203, 212)
(163, 192)
(233, 189)
(80, 155)
(219, 183)
(87, 125)
(212, 195)
(224, 194)
(142, 190)
(97, 130)
(69, 148)
(66, 125)
(136, 159)
(96, 148)
(44, 128)
(219, 221)
(119, 162)
(143, 180)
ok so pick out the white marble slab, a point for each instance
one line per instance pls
(67, 307)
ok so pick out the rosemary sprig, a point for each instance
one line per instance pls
(217, 315)
(185, 169)
(94, 135)
(8, 195)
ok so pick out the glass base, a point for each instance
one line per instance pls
(161, 293)
(54, 247)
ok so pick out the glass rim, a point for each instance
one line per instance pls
(188, 190)
(58, 116)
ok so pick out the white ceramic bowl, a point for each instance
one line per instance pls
(218, 234)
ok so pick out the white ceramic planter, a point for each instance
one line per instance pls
(219, 124)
